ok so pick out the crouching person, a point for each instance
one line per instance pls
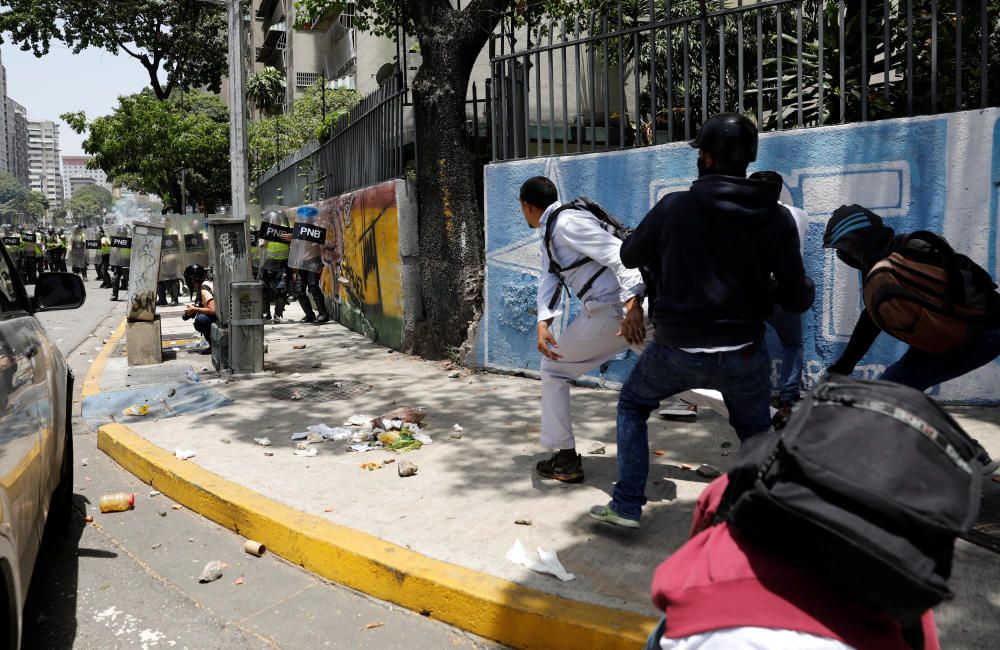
(203, 309)
(801, 546)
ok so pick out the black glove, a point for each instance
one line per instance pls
(840, 368)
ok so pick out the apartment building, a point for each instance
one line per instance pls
(76, 175)
(16, 121)
(44, 173)
(275, 42)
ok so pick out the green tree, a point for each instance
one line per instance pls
(90, 201)
(273, 138)
(183, 40)
(146, 143)
(265, 89)
(13, 199)
(36, 205)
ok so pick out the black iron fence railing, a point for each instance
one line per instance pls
(643, 72)
(366, 145)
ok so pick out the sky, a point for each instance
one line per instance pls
(62, 82)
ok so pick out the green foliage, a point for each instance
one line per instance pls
(145, 143)
(185, 39)
(36, 205)
(266, 88)
(90, 201)
(273, 138)
(13, 198)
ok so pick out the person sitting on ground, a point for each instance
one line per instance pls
(861, 240)
(722, 253)
(203, 309)
(611, 321)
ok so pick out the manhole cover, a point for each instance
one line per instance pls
(320, 390)
(986, 532)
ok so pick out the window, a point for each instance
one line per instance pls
(305, 79)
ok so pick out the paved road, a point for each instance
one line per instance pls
(129, 580)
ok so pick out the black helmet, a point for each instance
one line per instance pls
(195, 273)
(859, 236)
(730, 138)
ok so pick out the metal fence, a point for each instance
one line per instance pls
(644, 72)
(367, 144)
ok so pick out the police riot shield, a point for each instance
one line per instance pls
(276, 233)
(194, 240)
(12, 242)
(171, 253)
(308, 238)
(76, 256)
(28, 241)
(121, 247)
(92, 244)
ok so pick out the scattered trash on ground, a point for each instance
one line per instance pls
(171, 392)
(89, 518)
(365, 446)
(225, 441)
(268, 453)
(154, 493)
(295, 396)
(307, 453)
(404, 414)
(686, 466)
(370, 466)
(299, 346)
(193, 376)
(328, 509)
(254, 548)
(406, 468)
(545, 562)
(83, 462)
(185, 454)
(162, 513)
(454, 374)
(263, 442)
(659, 452)
(296, 374)
(211, 572)
(372, 626)
(597, 448)
(457, 428)
(358, 420)
(522, 522)
(177, 506)
(156, 546)
(117, 502)
(238, 581)
(708, 471)
(455, 435)
(137, 411)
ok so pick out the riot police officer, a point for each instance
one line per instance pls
(29, 267)
(275, 237)
(78, 252)
(121, 255)
(305, 255)
(104, 263)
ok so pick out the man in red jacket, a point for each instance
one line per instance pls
(719, 592)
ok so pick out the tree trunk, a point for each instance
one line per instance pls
(451, 224)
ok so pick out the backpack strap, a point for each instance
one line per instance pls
(582, 204)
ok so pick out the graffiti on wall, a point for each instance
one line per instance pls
(939, 173)
(362, 268)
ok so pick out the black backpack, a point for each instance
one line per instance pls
(608, 221)
(868, 485)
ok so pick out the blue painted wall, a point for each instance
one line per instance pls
(938, 173)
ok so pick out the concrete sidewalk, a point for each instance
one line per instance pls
(461, 508)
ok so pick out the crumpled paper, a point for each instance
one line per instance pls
(184, 454)
(545, 562)
(330, 433)
(358, 420)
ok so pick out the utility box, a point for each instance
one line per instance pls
(230, 260)
(144, 272)
(246, 327)
(144, 342)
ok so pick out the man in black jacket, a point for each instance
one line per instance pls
(723, 253)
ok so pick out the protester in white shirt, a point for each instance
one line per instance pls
(612, 319)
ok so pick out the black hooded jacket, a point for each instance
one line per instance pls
(722, 253)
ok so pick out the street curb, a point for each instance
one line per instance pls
(92, 382)
(479, 603)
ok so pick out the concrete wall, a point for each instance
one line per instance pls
(371, 279)
(940, 173)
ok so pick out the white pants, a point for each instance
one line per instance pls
(589, 341)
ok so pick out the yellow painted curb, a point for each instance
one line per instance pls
(482, 604)
(92, 382)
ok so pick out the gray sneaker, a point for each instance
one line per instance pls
(609, 516)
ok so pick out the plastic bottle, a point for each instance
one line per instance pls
(117, 502)
(193, 376)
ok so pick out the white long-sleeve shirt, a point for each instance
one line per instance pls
(580, 234)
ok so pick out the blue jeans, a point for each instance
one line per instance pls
(921, 370)
(741, 376)
(203, 323)
(788, 327)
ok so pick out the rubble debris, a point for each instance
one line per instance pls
(299, 346)
(263, 442)
(358, 420)
(185, 454)
(372, 626)
(708, 471)
(154, 493)
(162, 513)
(225, 441)
(328, 509)
(545, 562)
(177, 506)
(307, 453)
(254, 548)
(268, 453)
(523, 522)
(404, 414)
(295, 396)
(329, 433)
(659, 452)
(89, 518)
(405, 468)
(156, 546)
(454, 374)
(238, 581)
(597, 448)
(171, 392)
(211, 572)
(83, 462)
(457, 428)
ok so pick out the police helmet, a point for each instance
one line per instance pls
(195, 273)
(730, 138)
(277, 217)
